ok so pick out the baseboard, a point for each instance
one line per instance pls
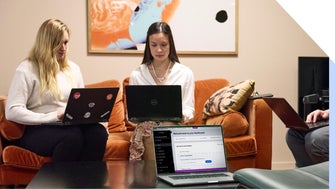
(283, 165)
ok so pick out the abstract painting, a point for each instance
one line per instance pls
(198, 26)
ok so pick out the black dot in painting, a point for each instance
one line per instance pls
(221, 16)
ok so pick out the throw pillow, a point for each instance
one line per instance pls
(230, 98)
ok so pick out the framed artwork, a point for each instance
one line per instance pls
(198, 26)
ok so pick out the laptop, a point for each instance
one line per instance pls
(154, 103)
(88, 105)
(289, 116)
(190, 155)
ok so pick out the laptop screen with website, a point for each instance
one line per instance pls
(189, 149)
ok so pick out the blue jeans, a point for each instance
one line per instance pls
(309, 147)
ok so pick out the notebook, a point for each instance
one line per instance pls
(289, 116)
(88, 105)
(190, 155)
(154, 103)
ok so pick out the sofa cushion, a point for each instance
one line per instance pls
(117, 146)
(230, 98)
(116, 121)
(233, 123)
(116, 150)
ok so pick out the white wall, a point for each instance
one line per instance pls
(269, 45)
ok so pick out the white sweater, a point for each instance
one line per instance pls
(24, 104)
(180, 75)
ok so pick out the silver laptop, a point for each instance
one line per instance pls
(289, 116)
(154, 103)
(190, 155)
(88, 105)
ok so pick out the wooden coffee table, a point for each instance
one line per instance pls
(110, 174)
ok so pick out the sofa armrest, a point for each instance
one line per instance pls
(233, 123)
(9, 130)
(1, 149)
(2, 113)
(259, 116)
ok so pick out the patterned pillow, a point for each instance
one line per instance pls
(227, 99)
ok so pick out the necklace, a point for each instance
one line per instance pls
(161, 79)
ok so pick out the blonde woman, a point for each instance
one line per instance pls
(38, 95)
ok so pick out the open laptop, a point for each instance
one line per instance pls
(88, 105)
(289, 116)
(154, 103)
(190, 155)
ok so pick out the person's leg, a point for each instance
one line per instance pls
(61, 143)
(295, 140)
(95, 138)
(317, 144)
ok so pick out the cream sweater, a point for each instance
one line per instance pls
(24, 104)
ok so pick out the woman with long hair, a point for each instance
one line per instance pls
(160, 66)
(38, 95)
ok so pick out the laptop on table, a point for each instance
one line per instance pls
(289, 116)
(88, 105)
(190, 155)
(154, 103)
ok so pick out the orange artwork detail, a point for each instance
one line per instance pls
(121, 24)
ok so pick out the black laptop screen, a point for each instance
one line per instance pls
(154, 103)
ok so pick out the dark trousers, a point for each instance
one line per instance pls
(66, 143)
(309, 147)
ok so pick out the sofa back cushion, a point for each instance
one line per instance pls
(116, 121)
(129, 125)
(202, 91)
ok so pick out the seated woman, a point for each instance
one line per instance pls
(160, 66)
(38, 95)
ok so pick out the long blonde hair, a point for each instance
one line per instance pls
(44, 55)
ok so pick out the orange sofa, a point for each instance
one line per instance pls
(248, 134)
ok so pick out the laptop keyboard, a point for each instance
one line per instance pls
(318, 124)
(177, 177)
